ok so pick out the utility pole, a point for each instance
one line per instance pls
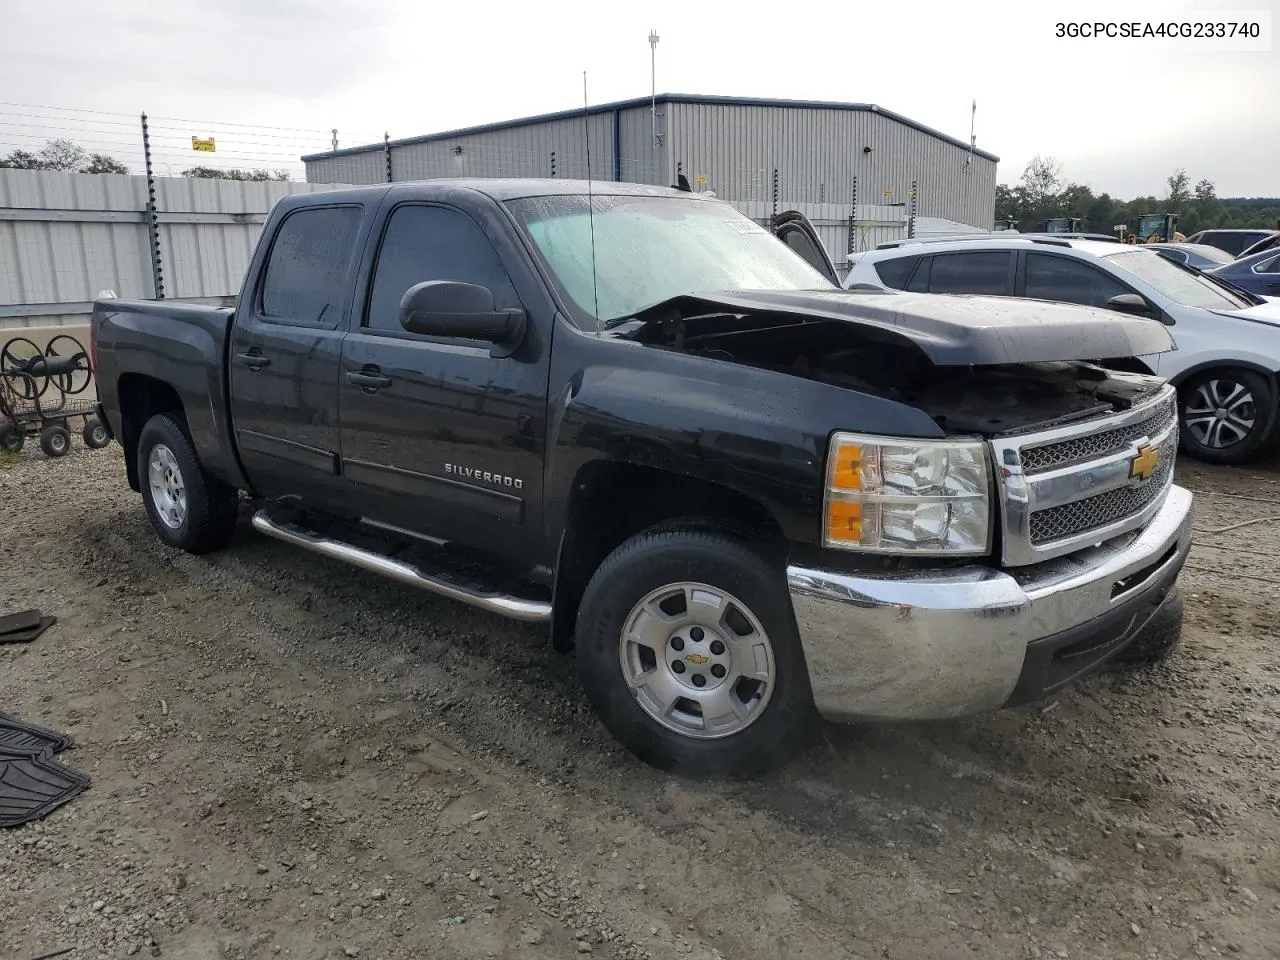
(653, 84)
(335, 138)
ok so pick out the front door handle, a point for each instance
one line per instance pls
(368, 380)
(254, 361)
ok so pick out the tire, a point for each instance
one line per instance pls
(665, 567)
(55, 441)
(95, 434)
(1158, 639)
(188, 509)
(1245, 396)
(12, 438)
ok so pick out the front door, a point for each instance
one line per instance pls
(285, 348)
(794, 229)
(438, 437)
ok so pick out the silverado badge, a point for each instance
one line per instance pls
(1142, 466)
(697, 659)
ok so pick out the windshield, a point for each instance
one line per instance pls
(1176, 282)
(650, 249)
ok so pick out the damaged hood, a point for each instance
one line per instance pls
(949, 330)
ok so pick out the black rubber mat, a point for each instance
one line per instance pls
(17, 736)
(33, 786)
(18, 622)
(30, 633)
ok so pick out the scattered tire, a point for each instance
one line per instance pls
(1158, 639)
(55, 440)
(688, 650)
(12, 438)
(95, 434)
(188, 508)
(1226, 415)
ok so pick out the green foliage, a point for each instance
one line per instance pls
(63, 155)
(217, 173)
(1043, 194)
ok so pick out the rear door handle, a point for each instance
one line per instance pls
(254, 361)
(368, 380)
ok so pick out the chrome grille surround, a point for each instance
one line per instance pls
(1065, 489)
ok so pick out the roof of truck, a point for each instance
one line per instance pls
(507, 188)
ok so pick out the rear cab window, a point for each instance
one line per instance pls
(306, 276)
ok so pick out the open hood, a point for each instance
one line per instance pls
(949, 330)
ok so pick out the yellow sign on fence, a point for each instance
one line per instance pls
(205, 146)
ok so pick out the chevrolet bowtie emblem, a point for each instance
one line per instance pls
(1145, 463)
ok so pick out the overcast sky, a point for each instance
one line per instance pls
(1120, 115)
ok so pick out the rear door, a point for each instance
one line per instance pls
(439, 438)
(986, 272)
(285, 347)
(794, 229)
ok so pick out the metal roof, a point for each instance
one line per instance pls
(661, 98)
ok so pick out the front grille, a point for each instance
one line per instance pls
(1053, 455)
(1093, 513)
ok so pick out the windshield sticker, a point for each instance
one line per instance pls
(745, 226)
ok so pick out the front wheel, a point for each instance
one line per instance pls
(689, 654)
(1226, 414)
(188, 508)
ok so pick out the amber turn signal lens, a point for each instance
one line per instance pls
(844, 521)
(846, 470)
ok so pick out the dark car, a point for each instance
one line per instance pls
(1258, 274)
(1199, 256)
(1232, 241)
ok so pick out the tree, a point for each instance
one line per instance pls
(1179, 186)
(63, 155)
(217, 173)
(1042, 180)
(101, 163)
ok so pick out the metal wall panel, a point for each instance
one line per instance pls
(818, 152)
(520, 152)
(65, 237)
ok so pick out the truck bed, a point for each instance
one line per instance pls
(183, 346)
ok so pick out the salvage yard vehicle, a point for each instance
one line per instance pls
(1228, 339)
(741, 495)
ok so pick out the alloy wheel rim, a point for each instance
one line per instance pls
(697, 660)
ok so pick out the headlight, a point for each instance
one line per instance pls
(924, 497)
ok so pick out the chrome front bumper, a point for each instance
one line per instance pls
(949, 643)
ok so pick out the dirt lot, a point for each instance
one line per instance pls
(293, 758)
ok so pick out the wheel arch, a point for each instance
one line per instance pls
(595, 526)
(141, 398)
(1252, 366)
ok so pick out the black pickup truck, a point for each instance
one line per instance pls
(742, 496)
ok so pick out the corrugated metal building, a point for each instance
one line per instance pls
(815, 152)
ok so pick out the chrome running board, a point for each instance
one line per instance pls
(517, 608)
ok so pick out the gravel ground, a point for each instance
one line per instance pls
(291, 757)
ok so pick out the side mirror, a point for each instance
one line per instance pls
(449, 308)
(1132, 304)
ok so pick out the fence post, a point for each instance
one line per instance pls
(853, 217)
(153, 218)
(386, 151)
(553, 163)
(911, 222)
(775, 191)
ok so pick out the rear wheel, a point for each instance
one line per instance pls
(95, 434)
(1226, 414)
(188, 508)
(688, 650)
